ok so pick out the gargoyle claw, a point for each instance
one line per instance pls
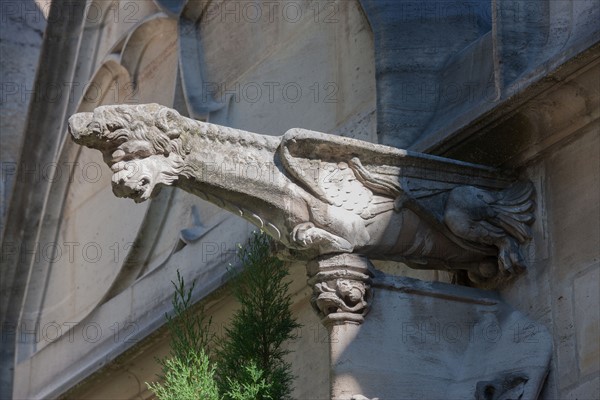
(307, 235)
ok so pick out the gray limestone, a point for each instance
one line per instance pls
(424, 340)
(319, 194)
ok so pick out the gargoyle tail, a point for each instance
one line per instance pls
(514, 210)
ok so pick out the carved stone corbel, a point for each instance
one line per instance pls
(341, 288)
(320, 195)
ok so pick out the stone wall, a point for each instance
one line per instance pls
(552, 139)
(561, 290)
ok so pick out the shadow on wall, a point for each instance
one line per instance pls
(442, 63)
(21, 30)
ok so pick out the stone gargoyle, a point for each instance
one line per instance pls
(321, 194)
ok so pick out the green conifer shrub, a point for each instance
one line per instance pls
(187, 373)
(249, 363)
(261, 326)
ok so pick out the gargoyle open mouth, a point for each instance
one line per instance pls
(131, 180)
(140, 143)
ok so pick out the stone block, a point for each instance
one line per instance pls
(310, 352)
(565, 347)
(587, 320)
(589, 390)
(433, 340)
(574, 214)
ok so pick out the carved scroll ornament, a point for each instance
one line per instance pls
(319, 194)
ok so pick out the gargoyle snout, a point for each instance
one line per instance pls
(78, 125)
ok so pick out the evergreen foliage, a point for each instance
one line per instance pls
(250, 361)
(252, 386)
(188, 373)
(263, 323)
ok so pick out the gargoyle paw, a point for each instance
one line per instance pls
(308, 235)
(300, 234)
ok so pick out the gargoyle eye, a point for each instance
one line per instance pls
(95, 127)
(113, 126)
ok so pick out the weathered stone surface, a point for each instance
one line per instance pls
(440, 64)
(432, 340)
(319, 194)
(565, 344)
(427, 34)
(132, 41)
(128, 317)
(587, 299)
(40, 143)
(150, 146)
(306, 64)
(576, 165)
(587, 390)
(510, 386)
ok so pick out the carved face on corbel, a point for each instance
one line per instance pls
(141, 145)
(352, 292)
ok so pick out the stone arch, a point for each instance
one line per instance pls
(61, 288)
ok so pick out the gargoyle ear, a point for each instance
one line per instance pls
(166, 120)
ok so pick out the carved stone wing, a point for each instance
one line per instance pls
(474, 206)
(322, 168)
(377, 178)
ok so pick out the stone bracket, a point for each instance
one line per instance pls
(341, 285)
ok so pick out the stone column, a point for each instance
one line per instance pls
(342, 296)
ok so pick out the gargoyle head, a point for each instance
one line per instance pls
(141, 144)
